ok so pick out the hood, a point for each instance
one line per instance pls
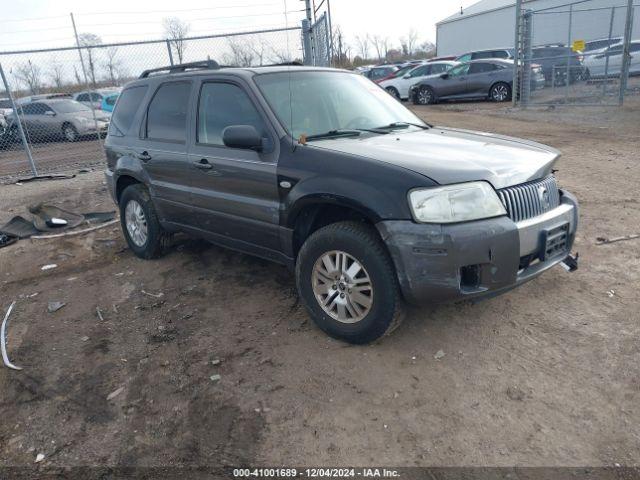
(448, 155)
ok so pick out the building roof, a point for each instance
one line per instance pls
(479, 7)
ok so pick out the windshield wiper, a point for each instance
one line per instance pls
(335, 133)
(393, 125)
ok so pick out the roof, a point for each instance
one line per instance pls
(480, 7)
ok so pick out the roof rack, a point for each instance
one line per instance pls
(183, 67)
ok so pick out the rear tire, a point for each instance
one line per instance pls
(140, 226)
(424, 96)
(345, 267)
(500, 92)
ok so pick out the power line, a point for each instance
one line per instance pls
(146, 12)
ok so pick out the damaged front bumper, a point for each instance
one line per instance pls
(468, 260)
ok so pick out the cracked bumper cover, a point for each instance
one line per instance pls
(429, 257)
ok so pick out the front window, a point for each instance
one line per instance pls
(312, 103)
(459, 70)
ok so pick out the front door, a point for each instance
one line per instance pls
(456, 83)
(234, 191)
(162, 150)
(480, 78)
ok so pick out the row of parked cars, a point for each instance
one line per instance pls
(489, 73)
(57, 116)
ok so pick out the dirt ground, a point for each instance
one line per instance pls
(546, 375)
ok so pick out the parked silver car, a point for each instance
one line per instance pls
(482, 79)
(54, 119)
(94, 98)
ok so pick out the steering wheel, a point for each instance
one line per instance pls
(358, 122)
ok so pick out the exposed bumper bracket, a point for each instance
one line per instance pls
(570, 262)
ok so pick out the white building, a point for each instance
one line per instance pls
(491, 24)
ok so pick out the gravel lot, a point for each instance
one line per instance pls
(546, 375)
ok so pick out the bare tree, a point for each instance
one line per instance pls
(112, 65)
(279, 56)
(57, 73)
(76, 75)
(409, 43)
(176, 31)
(381, 45)
(29, 75)
(240, 55)
(86, 40)
(258, 50)
(341, 50)
(362, 46)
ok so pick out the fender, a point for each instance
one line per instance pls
(131, 167)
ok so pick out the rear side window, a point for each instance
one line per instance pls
(126, 109)
(480, 55)
(167, 114)
(222, 105)
(439, 68)
(500, 54)
(481, 68)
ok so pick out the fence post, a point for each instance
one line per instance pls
(306, 42)
(86, 79)
(626, 57)
(606, 62)
(17, 117)
(569, 55)
(170, 52)
(516, 55)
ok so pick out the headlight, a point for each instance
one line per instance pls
(455, 203)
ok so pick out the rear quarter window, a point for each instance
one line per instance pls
(167, 113)
(125, 110)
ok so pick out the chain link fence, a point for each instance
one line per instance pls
(63, 135)
(580, 53)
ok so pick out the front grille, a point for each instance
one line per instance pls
(531, 199)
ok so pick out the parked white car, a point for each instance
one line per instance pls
(399, 86)
(596, 65)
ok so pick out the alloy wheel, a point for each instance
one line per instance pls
(342, 286)
(136, 223)
(500, 93)
(424, 96)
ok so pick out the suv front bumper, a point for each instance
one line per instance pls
(437, 263)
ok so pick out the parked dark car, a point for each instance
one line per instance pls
(499, 53)
(369, 205)
(485, 79)
(555, 60)
(379, 73)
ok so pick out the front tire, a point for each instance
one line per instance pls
(70, 133)
(140, 226)
(424, 96)
(500, 92)
(347, 283)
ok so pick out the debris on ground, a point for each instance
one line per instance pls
(605, 240)
(3, 344)
(115, 393)
(49, 266)
(39, 457)
(215, 377)
(154, 295)
(99, 314)
(6, 240)
(85, 338)
(611, 293)
(439, 354)
(215, 362)
(515, 393)
(55, 306)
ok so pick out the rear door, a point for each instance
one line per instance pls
(162, 150)
(480, 78)
(234, 191)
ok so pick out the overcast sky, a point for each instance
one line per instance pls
(31, 24)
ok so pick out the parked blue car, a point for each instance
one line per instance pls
(109, 101)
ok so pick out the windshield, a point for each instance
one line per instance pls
(312, 103)
(70, 106)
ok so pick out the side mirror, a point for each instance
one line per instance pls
(444, 76)
(407, 76)
(242, 136)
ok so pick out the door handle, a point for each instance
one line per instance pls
(144, 156)
(202, 164)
